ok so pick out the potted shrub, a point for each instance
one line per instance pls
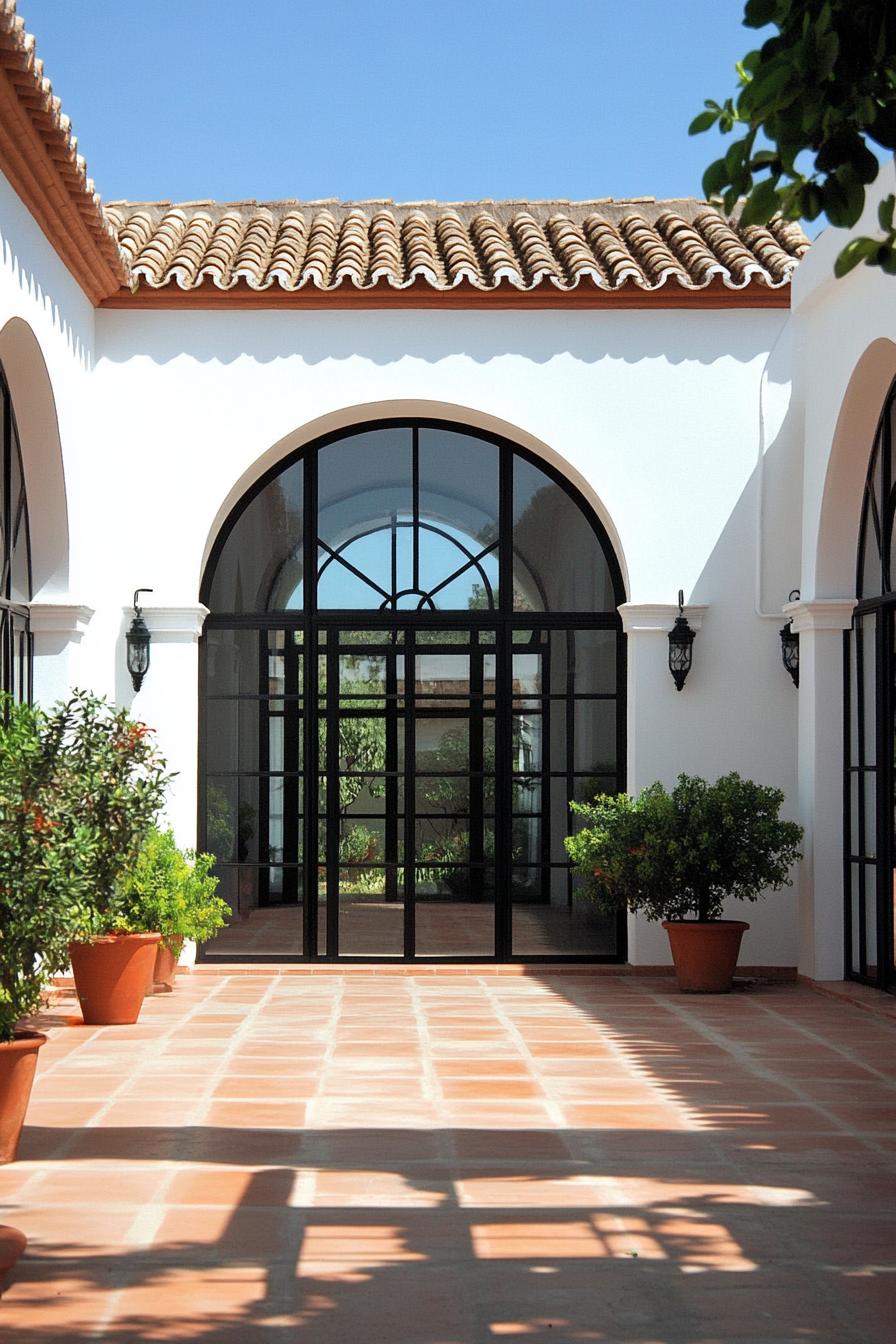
(39, 846)
(678, 856)
(172, 892)
(104, 770)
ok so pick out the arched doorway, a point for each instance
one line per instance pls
(413, 662)
(15, 558)
(870, 849)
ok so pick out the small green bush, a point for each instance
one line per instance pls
(172, 892)
(681, 854)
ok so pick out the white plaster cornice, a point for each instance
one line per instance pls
(59, 618)
(657, 617)
(822, 613)
(172, 623)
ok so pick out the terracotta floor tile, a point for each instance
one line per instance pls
(251, 1115)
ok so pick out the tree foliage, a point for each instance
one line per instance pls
(671, 855)
(824, 85)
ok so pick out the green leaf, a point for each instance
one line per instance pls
(703, 122)
(853, 254)
(761, 204)
(757, 13)
(715, 178)
(886, 258)
(885, 211)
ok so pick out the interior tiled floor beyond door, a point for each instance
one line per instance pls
(433, 1159)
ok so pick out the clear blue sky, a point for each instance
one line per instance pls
(408, 99)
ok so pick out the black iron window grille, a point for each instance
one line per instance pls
(413, 663)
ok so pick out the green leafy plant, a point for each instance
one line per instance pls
(681, 854)
(39, 847)
(103, 769)
(172, 891)
(79, 786)
(824, 85)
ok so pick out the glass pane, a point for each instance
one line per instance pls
(362, 677)
(442, 744)
(362, 841)
(594, 736)
(526, 742)
(260, 565)
(232, 735)
(441, 795)
(340, 588)
(221, 803)
(231, 662)
(546, 923)
(364, 490)
(459, 485)
(583, 662)
(527, 674)
(475, 589)
(20, 560)
(371, 923)
(443, 675)
(271, 930)
(558, 563)
(441, 840)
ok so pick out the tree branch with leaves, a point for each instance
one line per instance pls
(824, 85)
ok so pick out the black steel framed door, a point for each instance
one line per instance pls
(412, 665)
(406, 792)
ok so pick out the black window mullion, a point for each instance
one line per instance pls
(293, 761)
(476, 803)
(410, 794)
(391, 786)
(334, 818)
(311, 764)
(264, 765)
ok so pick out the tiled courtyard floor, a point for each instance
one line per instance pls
(421, 1159)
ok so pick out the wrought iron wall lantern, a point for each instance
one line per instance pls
(138, 640)
(790, 644)
(681, 642)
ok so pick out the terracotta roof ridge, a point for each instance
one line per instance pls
(386, 202)
(648, 245)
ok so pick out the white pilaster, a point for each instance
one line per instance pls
(820, 624)
(653, 710)
(168, 701)
(57, 629)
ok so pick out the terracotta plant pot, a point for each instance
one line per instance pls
(111, 974)
(165, 967)
(18, 1061)
(705, 955)
(12, 1244)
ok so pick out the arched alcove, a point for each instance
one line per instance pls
(31, 392)
(412, 664)
(847, 468)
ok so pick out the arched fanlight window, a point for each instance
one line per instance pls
(416, 518)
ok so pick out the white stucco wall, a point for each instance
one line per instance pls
(656, 416)
(672, 423)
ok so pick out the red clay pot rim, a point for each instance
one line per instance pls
(23, 1040)
(705, 924)
(117, 937)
